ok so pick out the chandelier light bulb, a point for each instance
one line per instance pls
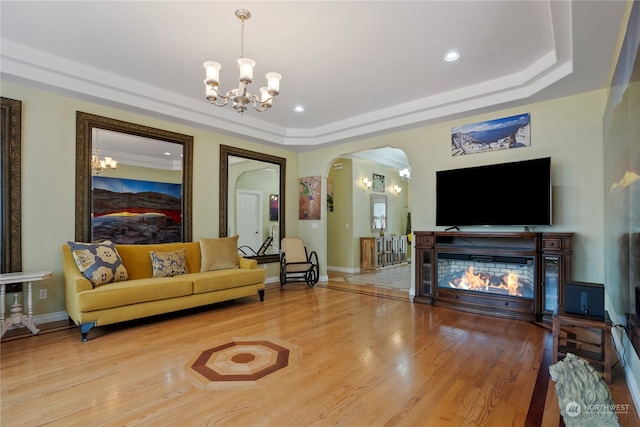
(106, 164)
(273, 83)
(246, 69)
(212, 95)
(213, 73)
(265, 95)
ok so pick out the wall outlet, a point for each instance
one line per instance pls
(43, 294)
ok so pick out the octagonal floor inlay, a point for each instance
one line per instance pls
(243, 361)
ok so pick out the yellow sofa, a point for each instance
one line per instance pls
(141, 295)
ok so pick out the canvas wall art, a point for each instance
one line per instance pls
(499, 134)
(378, 183)
(135, 212)
(309, 190)
(274, 207)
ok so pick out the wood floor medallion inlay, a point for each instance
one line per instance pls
(242, 362)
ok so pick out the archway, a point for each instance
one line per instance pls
(349, 215)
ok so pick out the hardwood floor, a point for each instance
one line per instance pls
(388, 283)
(365, 361)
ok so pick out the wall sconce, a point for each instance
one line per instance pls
(397, 188)
(405, 174)
(367, 182)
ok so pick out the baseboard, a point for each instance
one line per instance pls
(634, 388)
(271, 282)
(349, 270)
(45, 318)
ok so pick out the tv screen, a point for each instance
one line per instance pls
(515, 193)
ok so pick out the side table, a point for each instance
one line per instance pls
(17, 317)
(584, 326)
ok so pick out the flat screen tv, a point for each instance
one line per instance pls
(515, 193)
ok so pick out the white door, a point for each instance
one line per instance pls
(249, 219)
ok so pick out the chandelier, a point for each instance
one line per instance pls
(241, 97)
(105, 165)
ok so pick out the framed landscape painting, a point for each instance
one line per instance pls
(492, 135)
(135, 212)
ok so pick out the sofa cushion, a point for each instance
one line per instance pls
(133, 292)
(225, 279)
(138, 262)
(219, 254)
(98, 262)
(169, 264)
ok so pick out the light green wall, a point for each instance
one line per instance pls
(351, 217)
(264, 182)
(567, 129)
(340, 221)
(48, 180)
(396, 203)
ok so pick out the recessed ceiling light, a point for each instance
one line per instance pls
(167, 154)
(452, 56)
(299, 109)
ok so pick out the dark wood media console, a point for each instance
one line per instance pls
(512, 275)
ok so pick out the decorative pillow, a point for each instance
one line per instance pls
(219, 254)
(169, 264)
(99, 262)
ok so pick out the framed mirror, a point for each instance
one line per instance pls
(378, 212)
(252, 200)
(139, 221)
(10, 161)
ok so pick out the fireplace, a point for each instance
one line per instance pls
(498, 275)
(512, 275)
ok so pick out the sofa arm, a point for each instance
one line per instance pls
(247, 263)
(74, 281)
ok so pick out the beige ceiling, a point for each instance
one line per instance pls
(357, 67)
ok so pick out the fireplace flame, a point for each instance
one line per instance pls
(481, 282)
(511, 279)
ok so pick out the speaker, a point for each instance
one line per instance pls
(585, 299)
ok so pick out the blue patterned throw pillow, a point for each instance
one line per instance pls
(169, 264)
(99, 262)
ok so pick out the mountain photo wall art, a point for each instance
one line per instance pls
(135, 212)
(499, 134)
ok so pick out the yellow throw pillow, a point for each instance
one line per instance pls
(169, 264)
(219, 254)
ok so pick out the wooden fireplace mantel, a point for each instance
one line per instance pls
(551, 252)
